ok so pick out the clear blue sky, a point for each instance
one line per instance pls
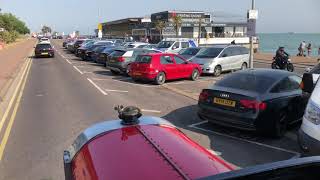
(67, 15)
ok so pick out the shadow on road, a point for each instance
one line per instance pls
(241, 148)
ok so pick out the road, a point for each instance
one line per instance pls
(64, 95)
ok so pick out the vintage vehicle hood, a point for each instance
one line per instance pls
(145, 152)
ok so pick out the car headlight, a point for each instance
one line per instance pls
(312, 113)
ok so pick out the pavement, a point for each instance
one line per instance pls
(64, 95)
(296, 60)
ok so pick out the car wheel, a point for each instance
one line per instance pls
(280, 125)
(274, 65)
(161, 78)
(195, 74)
(114, 72)
(290, 67)
(244, 66)
(217, 70)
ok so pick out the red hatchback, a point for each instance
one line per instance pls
(160, 67)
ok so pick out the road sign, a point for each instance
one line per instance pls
(100, 34)
(100, 27)
(253, 14)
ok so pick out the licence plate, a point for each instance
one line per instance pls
(136, 74)
(224, 102)
(44, 53)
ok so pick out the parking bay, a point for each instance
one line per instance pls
(173, 103)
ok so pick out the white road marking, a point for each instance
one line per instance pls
(68, 61)
(129, 83)
(78, 69)
(113, 90)
(152, 111)
(296, 154)
(96, 86)
(99, 79)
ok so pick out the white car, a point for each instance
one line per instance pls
(175, 46)
(309, 133)
(44, 40)
(136, 45)
(219, 58)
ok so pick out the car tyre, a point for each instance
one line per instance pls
(195, 74)
(290, 67)
(114, 72)
(217, 71)
(161, 78)
(244, 66)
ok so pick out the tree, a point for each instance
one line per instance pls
(160, 25)
(46, 29)
(177, 22)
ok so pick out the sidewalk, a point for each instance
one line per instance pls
(11, 58)
(307, 61)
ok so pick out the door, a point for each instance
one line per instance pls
(175, 47)
(225, 59)
(168, 66)
(236, 58)
(183, 68)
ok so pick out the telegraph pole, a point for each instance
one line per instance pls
(252, 17)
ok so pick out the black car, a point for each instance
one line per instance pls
(257, 99)
(89, 51)
(189, 52)
(103, 56)
(96, 52)
(44, 50)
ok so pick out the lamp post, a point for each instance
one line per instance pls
(252, 17)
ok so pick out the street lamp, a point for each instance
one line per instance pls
(252, 17)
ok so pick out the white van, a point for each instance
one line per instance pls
(172, 45)
(309, 133)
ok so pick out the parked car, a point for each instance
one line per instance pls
(175, 45)
(309, 133)
(143, 140)
(160, 67)
(44, 49)
(103, 56)
(96, 52)
(120, 59)
(136, 45)
(64, 44)
(70, 45)
(262, 100)
(189, 52)
(86, 55)
(80, 52)
(219, 58)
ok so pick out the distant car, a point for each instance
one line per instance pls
(120, 59)
(136, 45)
(44, 39)
(189, 52)
(160, 67)
(174, 45)
(96, 52)
(64, 44)
(219, 58)
(89, 51)
(151, 46)
(80, 52)
(103, 56)
(262, 100)
(44, 50)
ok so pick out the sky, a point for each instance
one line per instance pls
(275, 16)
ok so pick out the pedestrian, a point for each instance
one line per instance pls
(302, 47)
(309, 48)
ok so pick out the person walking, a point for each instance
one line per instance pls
(302, 48)
(309, 48)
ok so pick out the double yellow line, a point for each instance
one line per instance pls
(14, 102)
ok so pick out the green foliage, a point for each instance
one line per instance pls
(160, 25)
(13, 27)
(177, 22)
(46, 29)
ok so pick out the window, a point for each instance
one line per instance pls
(166, 60)
(117, 53)
(236, 51)
(176, 45)
(143, 59)
(244, 50)
(226, 53)
(257, 84)
(209, 52)
(184, 44)
(290, 83)
(43, 46)
(179, 60)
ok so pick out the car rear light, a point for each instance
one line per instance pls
(252, 104)
(203, 95)
(121, 59)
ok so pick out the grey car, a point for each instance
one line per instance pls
(119, 60)
(219, 58)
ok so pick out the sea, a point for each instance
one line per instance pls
(270, 42)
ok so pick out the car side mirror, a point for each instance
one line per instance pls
(307, 84)
(225, 55)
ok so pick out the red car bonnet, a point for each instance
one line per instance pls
(145, 152)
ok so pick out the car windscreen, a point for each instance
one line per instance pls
(189, 51)
(43, 46)
(104, 43)
(247, 82)
(209, 52)
(143, 59)
(165, 44)
(117, 53)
